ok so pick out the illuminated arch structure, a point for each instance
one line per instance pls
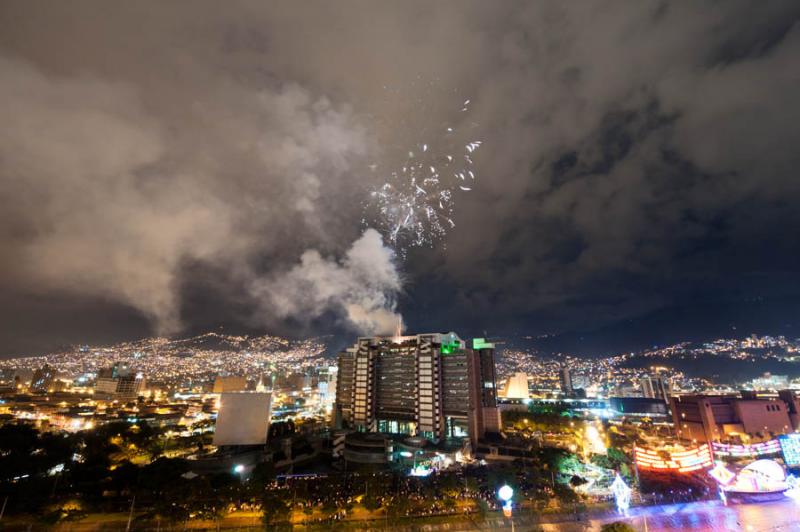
(760, 481)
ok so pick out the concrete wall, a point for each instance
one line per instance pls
(763, 416)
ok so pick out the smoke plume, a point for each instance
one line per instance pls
(362, 287)
(103, 197)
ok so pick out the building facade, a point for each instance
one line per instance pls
(638, 406)
(119, 382)
(792, 406)
(707, 418)
(431, 385)
(516, 387)
(656, 388)
(243, 419)
(565, 379)
(43, 378)
(229, 383)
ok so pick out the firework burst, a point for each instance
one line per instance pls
(416, 202)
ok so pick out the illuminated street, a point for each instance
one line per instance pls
(699, 516)
(714, 516)
(696, 516)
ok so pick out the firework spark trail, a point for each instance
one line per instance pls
(416, 202)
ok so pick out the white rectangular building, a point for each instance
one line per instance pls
(243, 418)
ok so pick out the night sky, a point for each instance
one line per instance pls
(174, 167)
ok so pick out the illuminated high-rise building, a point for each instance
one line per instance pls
(326, 384)
(566, 381)
(43, 378)
(431, 385)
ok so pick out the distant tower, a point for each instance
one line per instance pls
(656, 388)
(43, 378)
(566, 381)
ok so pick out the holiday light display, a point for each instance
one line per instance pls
(753, 450)
(420, 471)
(680, 461)
(762, 480)
(622, 494)
(794, 488)
(722, 474)
(790, 446)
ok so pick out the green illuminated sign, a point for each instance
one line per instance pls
(480, 343)
(451, 347)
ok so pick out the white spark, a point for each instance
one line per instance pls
(411, 215)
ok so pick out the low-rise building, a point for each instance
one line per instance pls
(119, 382)
(723, 418)
(229, 383)
(516, 387)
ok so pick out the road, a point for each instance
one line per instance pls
(706, 516)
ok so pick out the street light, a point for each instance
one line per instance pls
(505, 493)
(238, 468)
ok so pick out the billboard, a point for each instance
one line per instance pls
(243, 418)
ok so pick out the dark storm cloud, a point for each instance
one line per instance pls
(652, 146)
(631, 150)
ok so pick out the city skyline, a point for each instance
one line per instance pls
(422, 265)
(428, 428)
